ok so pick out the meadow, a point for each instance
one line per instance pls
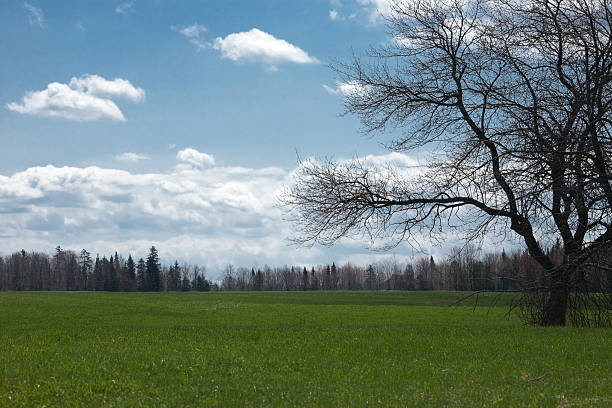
(82, 349)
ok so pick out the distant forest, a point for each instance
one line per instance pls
(464, 269)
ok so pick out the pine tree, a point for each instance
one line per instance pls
(334, 276)
(370, 277)
(154, 270)
(314, 282)
(174, 277)
(98, 274)
(304, 279)
(259, 280)
(111, 280)
(141, 276)
(130, 273)
(119, 273)
(85, 264)
(59, 278)
(185, 283)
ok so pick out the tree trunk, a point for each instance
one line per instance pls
(555, 311)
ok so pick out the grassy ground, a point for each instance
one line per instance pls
(290, 349)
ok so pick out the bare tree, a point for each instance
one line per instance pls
(515, 97)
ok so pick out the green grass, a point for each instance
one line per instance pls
(290, 349)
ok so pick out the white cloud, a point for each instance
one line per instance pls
(35, 15)
(346, 89)
(124, 7)
(257, 45)
(193, 33)
(83, 99)
(330, 90)
(79, 26)
(230, 211)
(214, 216)
(97, 86)
(192, 159)
(132, 157)
(372, 11)
(377, 8)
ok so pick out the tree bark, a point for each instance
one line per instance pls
(555, 311)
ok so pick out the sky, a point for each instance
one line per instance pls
(176, 124)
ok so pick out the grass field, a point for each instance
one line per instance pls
(290, 349)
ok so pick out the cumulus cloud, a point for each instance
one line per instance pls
(259, 46)
(214, 216)
(333, 14)
(192, 159)
(35, 15)
(131, 157)
(124, 7)
(222, 207)
(86, 98)
(117, 88)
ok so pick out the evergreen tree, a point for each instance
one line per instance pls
(312, 278)
(154, 270)
(111, 280)
(370, 277)
(334, 276)
(98, 274)
(176, 277)
(314, 282)
(304, 279)
(85, 264)
(259, 280)
(185, 283)
(119, 273)
(141, 276)
(59, 279)
(130, 273)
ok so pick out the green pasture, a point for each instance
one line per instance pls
(348, 349)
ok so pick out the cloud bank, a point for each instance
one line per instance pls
(86, 98)
(196, 212)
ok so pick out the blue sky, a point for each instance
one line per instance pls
(126, 124)
(241, 112)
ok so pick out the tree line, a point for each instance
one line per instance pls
(67, 270)
(463, 269)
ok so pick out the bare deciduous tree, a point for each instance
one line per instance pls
(516, 98)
